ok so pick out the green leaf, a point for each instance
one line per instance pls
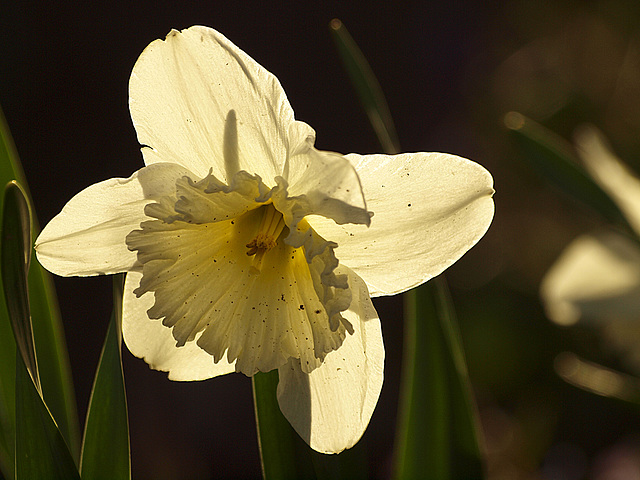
(41, 452)
(15, 257)
(367, 87)
(554, 159)
(107, 419)
(51, 349)
(283, 454)
(48, 336)
(438, 431)
(7, 396)
(7, 342)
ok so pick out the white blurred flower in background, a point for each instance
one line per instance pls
(596, 280)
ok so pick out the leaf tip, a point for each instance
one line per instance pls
(514, 120)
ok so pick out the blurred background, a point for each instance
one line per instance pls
(450, 71)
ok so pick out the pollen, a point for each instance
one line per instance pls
(271, 226)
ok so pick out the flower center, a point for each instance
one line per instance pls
(271, 226)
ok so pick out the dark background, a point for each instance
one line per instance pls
(450, 70)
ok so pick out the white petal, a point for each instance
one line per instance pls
(428, 210)
(596, 278)
(88, 236)
(198, 100)
(330, 408)
(152, 341)
(325, 183)
(610, 173)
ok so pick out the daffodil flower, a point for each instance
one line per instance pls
(247, 250)
(596, 279)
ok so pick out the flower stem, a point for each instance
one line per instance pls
(279, 453)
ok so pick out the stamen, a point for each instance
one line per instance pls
(270, 228)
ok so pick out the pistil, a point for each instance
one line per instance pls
(270, 228)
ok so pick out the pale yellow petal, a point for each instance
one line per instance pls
(428, 210)
(324, 183)
(88, 236)
(331, 407)
(150, 340)
(210, 201)
(196, 99)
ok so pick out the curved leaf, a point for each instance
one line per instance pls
(41, 452)
(50, 346)
(15, 257)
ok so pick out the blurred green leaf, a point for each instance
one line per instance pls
(438, 431)
(107, 419)
(596, 378)
(366, 85)
(41, 452)
(554, 159)
(283, 454)
(48, 336)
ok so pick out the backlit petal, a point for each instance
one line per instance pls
(325, 183)
(88, 236)
(428, 210)
(330, 408)
(152, 341)
(198, 100)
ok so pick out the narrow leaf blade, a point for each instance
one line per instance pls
(51, 351)
(7, 341)
(367, 87)
(423, 436)
(55, 375)
(437, 428)
(7, 397)
(467, 461)
(283, 454)
(41, 452)
(15, 256)
(107, 418)
(554, 159)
